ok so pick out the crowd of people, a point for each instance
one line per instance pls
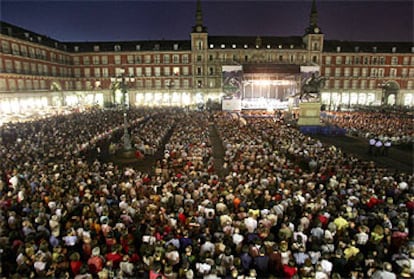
(283, 206)
(394, 125)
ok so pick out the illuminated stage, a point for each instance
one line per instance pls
(263, 86)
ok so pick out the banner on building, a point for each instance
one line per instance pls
(232, 81)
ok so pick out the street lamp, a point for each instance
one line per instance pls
(120, 83)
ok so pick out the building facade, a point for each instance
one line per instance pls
(37, 71)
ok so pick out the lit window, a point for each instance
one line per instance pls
(268, 46)
(233, 46)
(211, 46)
(245, 46)
(223, 46)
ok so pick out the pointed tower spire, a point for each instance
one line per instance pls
(199, 27)
(313, 20)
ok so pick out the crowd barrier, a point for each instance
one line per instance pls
(322, 130)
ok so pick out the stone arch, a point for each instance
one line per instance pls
(390, 92)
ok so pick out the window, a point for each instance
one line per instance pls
(363, 84)
(77, 72)
(185, 58)
(138, 71)
(175, 46)
(381, 60)
(5, 46)
(406, 60)
(354, 84)
(167, 71)
(372, 84)
(364, 72)
(346, 84)
(393, 72)
(23, 50)
(411, 73)
(336, 83)
(138, 47)
(410, 84)
(210, 57)
(198, 58)
(104, 59)
(105, 72)
(117, 59)
(95, 60)
(176, 71)
(166, 58)
(148, 71)
(157, 71)
(374, 60)
(211, 71)
(404, 72)
(381, 72)
(17, 66)
(223, 46)
(158, 83)
(15, 49)
(199, 71)
(185, 71)
(327, 71)
(394, 60)
(45, 70)
(211, 46)
(366, 60)
(147, 59)
(374, 72)
(199, 45)
(117, 48)
(97, 72)
(246, 58)
(337, 72)
(338, 60)
(347, 72)
(355, 72)
(130, 59)
(157, 59)
(357, 60)
(96, 48)
(86, 60)
(176, 59)
(76, 60)
(328, 60)
(87, 72)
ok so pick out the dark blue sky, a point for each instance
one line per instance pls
(106, 20)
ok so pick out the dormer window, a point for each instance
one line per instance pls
(257, 46)
(157, 47)
(374, 49)
(211, 46)
(223, 46)
(245, 46)
(356, 49)
(138, 47)
(96, 48)
(76, 48)
(268, 46)
(117, 48)
(279, 46)
(292, 46)
(233, 46)
(338, 49)
(26, 35)
(394, 49)
(56, 44)
(412, 49)
(175, 46)
(39, 39)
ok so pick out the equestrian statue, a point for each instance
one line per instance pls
(312, 88)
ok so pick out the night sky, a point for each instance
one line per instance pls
(104, 20)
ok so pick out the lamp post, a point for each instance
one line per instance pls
(120, 83)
